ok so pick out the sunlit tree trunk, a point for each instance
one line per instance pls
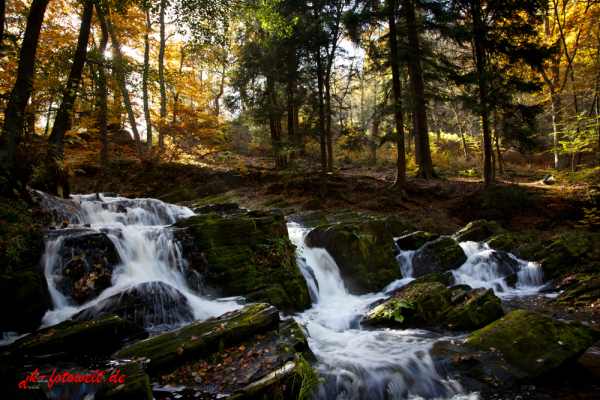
(161, 77)
(103, 101)
(19, 96)
(62, 122)
(123, 86)
(145, 83)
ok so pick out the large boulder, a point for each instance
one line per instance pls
(135, 386)
(310, 219)
(173, 349)
(587, 289)
(245, 255)
(520, 345)
(477, 231)
(443, 254)
(432, 304)
(362, 251)
(146, 304)
(565, 250)
(397, 226)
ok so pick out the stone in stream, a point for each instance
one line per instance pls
(565, 250)
(587, 289)
(477, 231)
(432, 304)
(520, 345)
(414, 241)
(310, 219)
(100, 336)
(443, 254)
(87, 264)
(236, 352)
(146, 304)
(248, 255)
(363, 252)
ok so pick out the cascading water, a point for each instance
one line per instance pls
(150, 261)
(502, 272)
(362, 364)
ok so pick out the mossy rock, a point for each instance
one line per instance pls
(201, 339)
(351, 216)
(310, 219)
(414, 240)
(443, 254)
(225, 232)
(179, 196)
(107, 333)
(565, 250)
(439, 277)
(398, 227)
(136, 385)
(24, 299)
(273, 294)
(427, 302)
(532, 342)
(362, 251)
(196, 219)
(512, 241)
(477, 231)
(588, 288)
(481, 307)
(294, 286)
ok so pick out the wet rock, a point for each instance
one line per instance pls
(513, 241)
(522, 344)
(565, 250)
(443, 254)
(398, 227)
(351, 216)
(310, 219)
(413, 241)
(100, 336)
(177, 196)
(201, 339)
(136, 385)
(146, 304)
(87, 263)
(272, 294)
(477, 231)
(224, 208)
(413, 305)
(362, 251)
(586, 289)
(474, 310)
(439, 277)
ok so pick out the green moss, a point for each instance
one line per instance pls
(534, 342)
(480, 308)
(448, 253)
(136, 385)
(511, 242)
(398, 227)
(178, 196)
(196, 219)
(225, 232)
(197, 340)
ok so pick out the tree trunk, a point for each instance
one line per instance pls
(49, 115)
(145, 83)
(62, 122)
(2, 14)
(290, 113)
(400, 183)
(123, 87)
(221, 91)
(19, 96)
(415, 71)
(161, 78)
(103, 101)
(274, 124)
(480, 61)
(323, 189)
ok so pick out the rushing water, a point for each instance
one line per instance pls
(387, 363)
(149, 257)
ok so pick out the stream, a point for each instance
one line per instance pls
(356, 363)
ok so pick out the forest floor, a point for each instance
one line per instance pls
(519, 199)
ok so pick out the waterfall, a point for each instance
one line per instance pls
(150, 261)
(359, 364)
(503, 272)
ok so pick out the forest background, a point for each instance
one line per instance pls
(466, 90)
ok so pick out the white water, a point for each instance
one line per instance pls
(138, 229)
(482, 270)
(358, 363)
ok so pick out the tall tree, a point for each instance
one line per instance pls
(62, 122)
(14, 114)
(103, 102)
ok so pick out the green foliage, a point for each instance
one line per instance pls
(309, 375)
(281, 251)
(17, 227)
(591, 220)
(394, 309)
(469, 173)
(508, 197)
